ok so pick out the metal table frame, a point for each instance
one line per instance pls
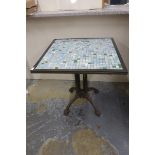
(81, 92)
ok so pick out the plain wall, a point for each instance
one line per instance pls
(41, 31)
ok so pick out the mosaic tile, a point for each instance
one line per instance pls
(81, 54)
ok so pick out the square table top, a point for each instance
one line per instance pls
(81, 55)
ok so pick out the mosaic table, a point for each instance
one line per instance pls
(81, 56)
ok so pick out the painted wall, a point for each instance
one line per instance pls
(41, 31)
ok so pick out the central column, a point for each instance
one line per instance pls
(77, 82)
(85, 83)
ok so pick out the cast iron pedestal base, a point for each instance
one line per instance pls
(81, 93)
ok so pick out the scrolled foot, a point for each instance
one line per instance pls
(72, 89)
(66, 112)
(97, 113)
(96, 91)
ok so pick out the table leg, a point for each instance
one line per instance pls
(96, 91)
(72, 89)
(77, 82)
(95, 109)
(77, 87)
(66, 111)
(81, 93)
(85, 83)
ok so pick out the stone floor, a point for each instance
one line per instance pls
(49, 132)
